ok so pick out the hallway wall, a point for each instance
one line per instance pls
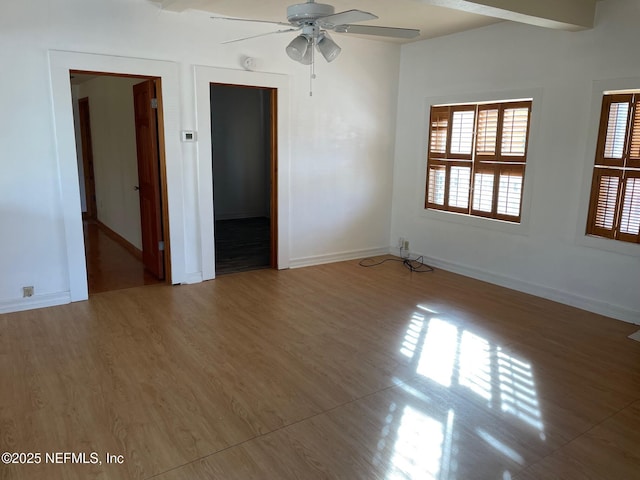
(115, 159)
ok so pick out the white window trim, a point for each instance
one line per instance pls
(598, 90)
(521, 228)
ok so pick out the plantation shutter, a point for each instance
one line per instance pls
(436, 185)
(511, 179)
(461, 137)
(439, 132)
(614, 209)
(501, 150)
(475, 159)
(459, 183)
(612, 139)
(605, 192)
(630, 213)
(634, 138)
(484, 190)
(515, 130)
(449, 157)
(487, 135)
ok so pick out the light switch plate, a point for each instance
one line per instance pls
(189, 136)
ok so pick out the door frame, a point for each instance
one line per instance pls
(204, 76)
(272, 135)
(61, 63)
(273, 175)
(84, 121)
(162, 204)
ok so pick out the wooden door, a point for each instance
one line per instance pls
(87, 158)
(145, 106)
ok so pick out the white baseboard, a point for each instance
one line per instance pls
(336, 257)
(567, 298)
(189, 278)
(37, 301)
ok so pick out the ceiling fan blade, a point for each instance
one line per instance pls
(251, 20)
(350, 16)
(260, 35)
(380, 31)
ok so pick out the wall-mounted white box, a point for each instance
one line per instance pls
(189, 136)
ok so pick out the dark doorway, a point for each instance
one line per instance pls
(243, 122)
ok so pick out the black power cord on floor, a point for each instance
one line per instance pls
(414, 265)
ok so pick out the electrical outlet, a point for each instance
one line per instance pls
(406, 245)
(27, 291)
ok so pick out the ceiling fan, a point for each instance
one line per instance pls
(314, 20)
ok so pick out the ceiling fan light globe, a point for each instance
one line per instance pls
(307, 58)
(298, 48)
(328, 48)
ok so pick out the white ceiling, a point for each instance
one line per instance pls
(433, 17)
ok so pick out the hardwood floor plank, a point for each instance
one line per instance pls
(334, 371)
(110, 264)
(606, 451)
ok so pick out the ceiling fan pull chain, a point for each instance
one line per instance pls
(312, 67)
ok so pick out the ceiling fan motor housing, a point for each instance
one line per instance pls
(308, 12)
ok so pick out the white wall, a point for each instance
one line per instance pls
(115, 158)
(340, 140)
(565, 73)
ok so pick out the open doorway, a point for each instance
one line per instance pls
(243, 132)
(121, 175)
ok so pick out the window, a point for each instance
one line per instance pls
(476, 158)
(614, 209)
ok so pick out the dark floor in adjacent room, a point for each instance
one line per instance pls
(242, 244)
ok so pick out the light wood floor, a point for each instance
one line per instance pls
(328, 372)
(110, 266)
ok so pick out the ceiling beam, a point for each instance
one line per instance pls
(570, 15)
(174, 5)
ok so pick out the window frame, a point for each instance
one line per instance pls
(495, 162)
(591, 122)
(624, 168)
